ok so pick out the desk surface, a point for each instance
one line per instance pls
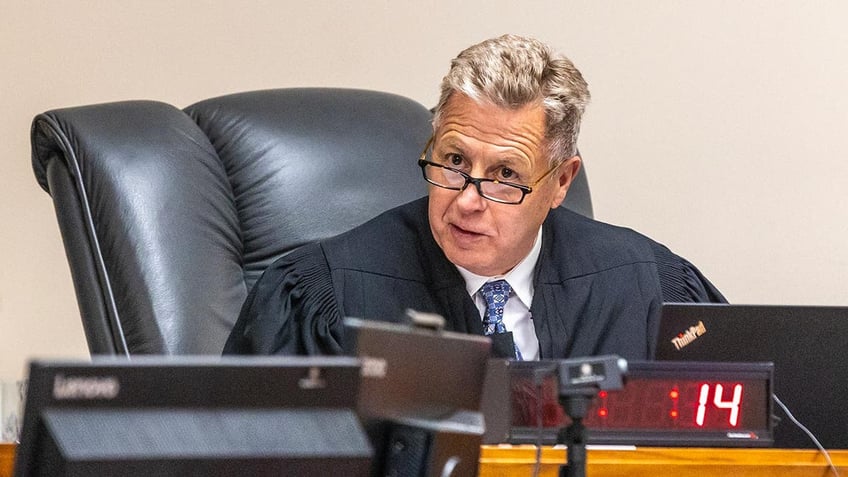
(505, 461)
(7, 459)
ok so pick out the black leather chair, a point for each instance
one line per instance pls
(169, 216)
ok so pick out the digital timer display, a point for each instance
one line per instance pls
(662, 403)
(677, 403)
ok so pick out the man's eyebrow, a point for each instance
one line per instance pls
(453, 144)
(515, 161)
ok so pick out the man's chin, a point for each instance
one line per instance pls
(477, 266)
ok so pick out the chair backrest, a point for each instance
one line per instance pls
(169, 216)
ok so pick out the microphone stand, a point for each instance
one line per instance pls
(580, 379)
(576, 404)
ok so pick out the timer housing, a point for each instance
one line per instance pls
(662, 403)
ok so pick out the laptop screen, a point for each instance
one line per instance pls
(807, 345)
(414, 373)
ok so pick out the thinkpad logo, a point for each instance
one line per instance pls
(689, 335)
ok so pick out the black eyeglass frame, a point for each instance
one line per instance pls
(525, 189)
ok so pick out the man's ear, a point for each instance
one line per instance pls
(566, 173)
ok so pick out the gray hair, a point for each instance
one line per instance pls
(512, 71)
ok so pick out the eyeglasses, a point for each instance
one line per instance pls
(491, 189)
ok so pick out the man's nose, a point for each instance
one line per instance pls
(470, 198)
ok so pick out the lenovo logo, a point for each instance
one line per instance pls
(85, 387)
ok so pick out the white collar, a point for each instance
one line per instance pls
(520, 278)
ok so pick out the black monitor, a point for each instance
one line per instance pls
(193, 416)
(420, 397)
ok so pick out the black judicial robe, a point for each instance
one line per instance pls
(598, 288)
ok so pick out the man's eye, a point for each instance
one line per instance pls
(454, 160)
(506, 174)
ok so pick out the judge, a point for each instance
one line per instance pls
(489, 248)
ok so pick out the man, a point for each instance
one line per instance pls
(489, 248)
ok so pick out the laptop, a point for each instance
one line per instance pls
(807, 345)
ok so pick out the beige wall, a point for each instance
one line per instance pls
(718, 128)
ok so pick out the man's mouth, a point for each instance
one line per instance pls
(464, 232)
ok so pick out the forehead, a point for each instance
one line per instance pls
(464, 119)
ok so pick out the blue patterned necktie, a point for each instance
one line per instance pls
(496, 294)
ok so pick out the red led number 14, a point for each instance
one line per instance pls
(718, 402)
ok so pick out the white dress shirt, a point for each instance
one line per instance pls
(517, 316)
